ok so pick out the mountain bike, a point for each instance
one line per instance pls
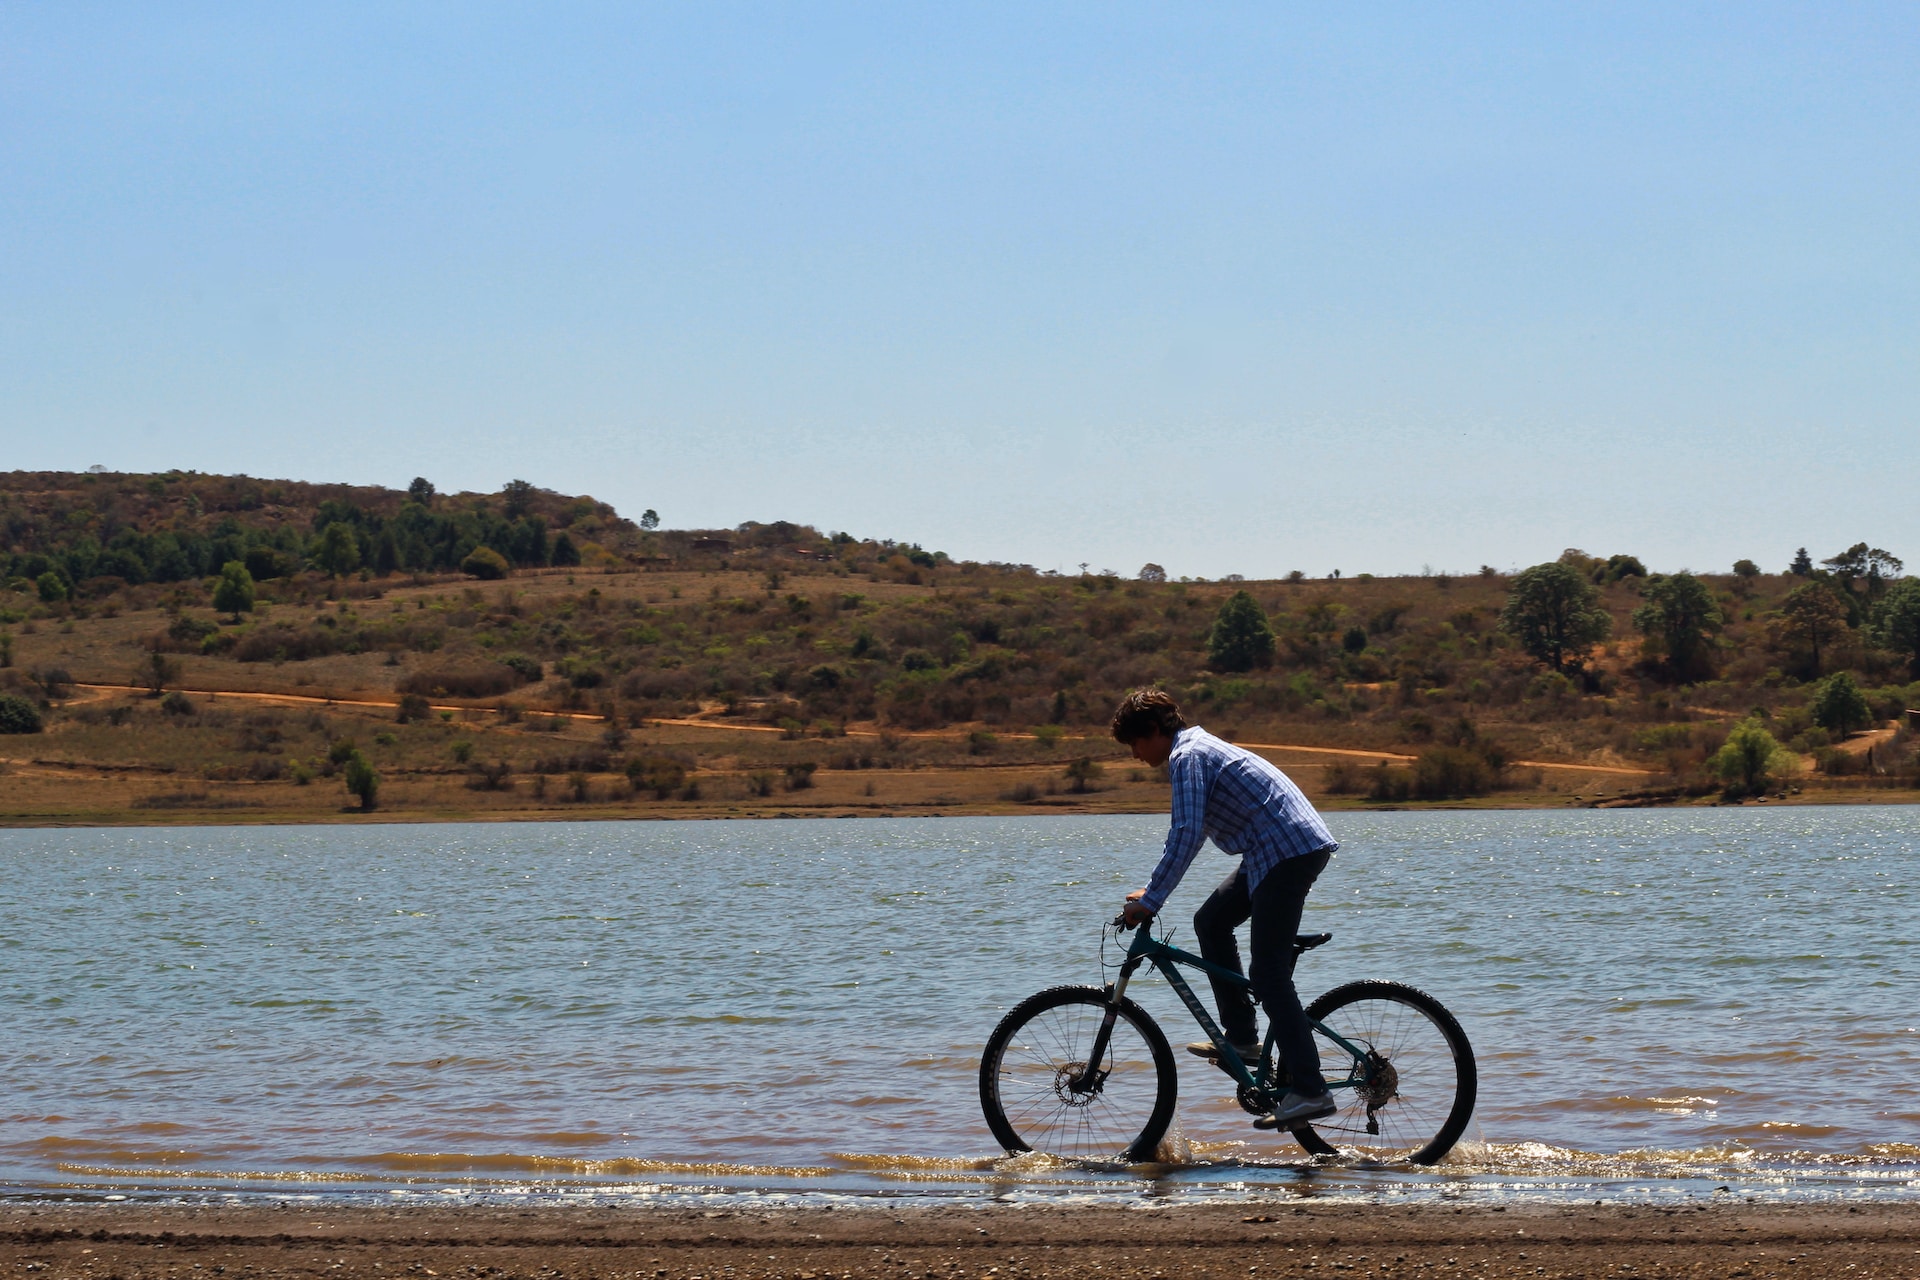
(1084, 1073)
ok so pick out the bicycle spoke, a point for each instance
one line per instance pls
(1411, 1095)
(1032, 1066)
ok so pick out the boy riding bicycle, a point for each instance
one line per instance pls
(1252, 810)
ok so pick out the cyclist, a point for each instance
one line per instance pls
(1252, 810)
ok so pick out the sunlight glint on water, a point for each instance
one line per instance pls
(796, 1007)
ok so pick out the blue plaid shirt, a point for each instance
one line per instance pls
(1239, 801)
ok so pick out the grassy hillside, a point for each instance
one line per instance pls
(773, 666)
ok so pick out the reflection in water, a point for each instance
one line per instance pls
(1661, 1002)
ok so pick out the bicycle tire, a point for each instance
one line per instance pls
(1041, 1045)
(1432, 1087)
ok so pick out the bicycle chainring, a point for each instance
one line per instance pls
(1254, 1100)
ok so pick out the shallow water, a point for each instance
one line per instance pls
(1662, 1003)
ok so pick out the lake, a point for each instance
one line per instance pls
(1663, 1003)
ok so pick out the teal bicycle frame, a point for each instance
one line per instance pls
(1263, 1076)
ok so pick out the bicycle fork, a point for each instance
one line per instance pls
(1091, 1077)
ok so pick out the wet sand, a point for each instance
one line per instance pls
(1716, 1238)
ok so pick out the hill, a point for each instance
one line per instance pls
(584, 659)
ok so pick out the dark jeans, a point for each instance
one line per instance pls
(1274, 907)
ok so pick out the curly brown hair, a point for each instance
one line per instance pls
(1145, 712)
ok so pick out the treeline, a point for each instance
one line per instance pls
(1582, 657)
(90, 535)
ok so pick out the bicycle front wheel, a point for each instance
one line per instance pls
(1410, 1093)
(1038, 1095)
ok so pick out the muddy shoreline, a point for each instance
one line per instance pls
(1718, 1237)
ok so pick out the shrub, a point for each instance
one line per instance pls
(485, 562)
(462, 750)
(490, 777)
(17, 715)
(412, 707)
(1242, 638)
(1344, 778)
(362, 781)
(233, 592)
(1749, 758)
(658, 774)
(1839, 707)
(190, 631)
(1082, 774)
(1453, 773)
(282, 643)
(800, 776)
(528, 670)
(177, 704)
(489, 681)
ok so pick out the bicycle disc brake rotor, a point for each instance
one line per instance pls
(1063, 1085)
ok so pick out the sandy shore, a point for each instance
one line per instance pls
(1002, 1242)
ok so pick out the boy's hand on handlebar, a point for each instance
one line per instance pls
(1133, 914)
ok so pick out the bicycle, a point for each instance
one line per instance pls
(1084, 1073)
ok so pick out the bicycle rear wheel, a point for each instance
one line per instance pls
(1411, 1095)
(1041, 1048)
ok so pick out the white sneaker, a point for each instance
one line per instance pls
(1296, 1109)
(1249, 1053)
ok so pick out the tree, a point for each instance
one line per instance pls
(421, 491)
(1555, 614)
(485, 562)
(649, 519)
(233, 593)
(1624, 566)
(159, 672)
(1151, 572)
(519, 498)
(1242, 638)
(1861, 561)
(1802, 566)
(1839, 707)
(1895, 623)
(1745, 569)
(1749, 757)
(1082, 773)
(337, 550)
(362, 781)
(1813, 616)
(52, 590)
(1679, 620)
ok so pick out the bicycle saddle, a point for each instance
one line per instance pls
(1308, 941)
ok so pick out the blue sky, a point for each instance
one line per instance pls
(1228, 288)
